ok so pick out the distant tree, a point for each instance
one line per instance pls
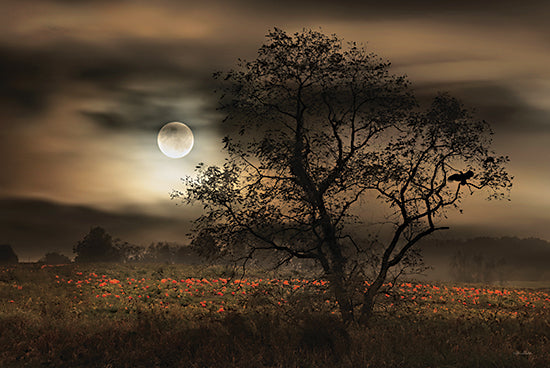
(188, 255)
(160, 252)
(97, 246)
(322, 139)
(206, 246)
(54, 258)
(7, 255)
(129, 252)
(166, 252)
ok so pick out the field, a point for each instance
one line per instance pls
(177, 316)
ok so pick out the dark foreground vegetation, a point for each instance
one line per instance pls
(108, 315)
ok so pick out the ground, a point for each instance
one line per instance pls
(108, 315)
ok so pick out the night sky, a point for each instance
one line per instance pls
(86, 85)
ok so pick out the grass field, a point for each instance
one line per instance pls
(177, 316)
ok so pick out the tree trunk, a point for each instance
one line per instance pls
(368, 306)
(370, 296)
(341, 294)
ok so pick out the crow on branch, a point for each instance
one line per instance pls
(462, 177)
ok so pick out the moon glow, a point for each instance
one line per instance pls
(175, 139)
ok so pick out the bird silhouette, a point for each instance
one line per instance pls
(462, 177)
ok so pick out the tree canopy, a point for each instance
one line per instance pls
(322, 136)
(97, 246)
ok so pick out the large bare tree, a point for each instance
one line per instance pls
(322, 136)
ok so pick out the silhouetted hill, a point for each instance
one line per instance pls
(34, 227)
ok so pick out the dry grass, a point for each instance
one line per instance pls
(51, 324)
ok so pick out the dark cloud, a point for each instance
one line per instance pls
(69, 60)
(189, 62)
(501, 106)
(34, 227)
(369, 9)
(135, 110)
(30, 76)
(109, 68)
(27, 77)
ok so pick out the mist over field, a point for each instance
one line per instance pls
(53, 227)
(488, 260)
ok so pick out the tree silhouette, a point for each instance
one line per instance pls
(7, 255)
(97, 246)
(322, 137)
(128, 252)
(54, 258)
(188, 255)
(160, 252)
(475, 267)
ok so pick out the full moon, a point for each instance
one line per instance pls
(175, 139)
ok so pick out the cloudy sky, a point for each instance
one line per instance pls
(86, 85)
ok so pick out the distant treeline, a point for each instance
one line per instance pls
(482, 259)
(99, 246)
(488, 259)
